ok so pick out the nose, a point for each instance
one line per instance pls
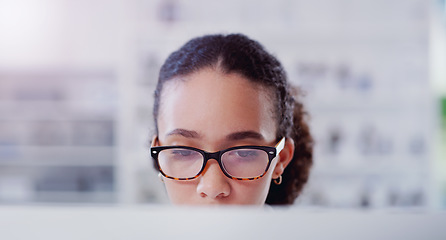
(213, 183)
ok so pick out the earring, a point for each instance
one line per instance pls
(161, 177)
(278, 180)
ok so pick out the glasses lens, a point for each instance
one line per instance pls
(180, 162)
(245, 163)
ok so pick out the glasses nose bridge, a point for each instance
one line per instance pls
(214, 155)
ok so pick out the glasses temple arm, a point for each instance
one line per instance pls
(280, 145)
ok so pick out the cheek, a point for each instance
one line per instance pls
(251, 192)
(180, 192)
(255, 192)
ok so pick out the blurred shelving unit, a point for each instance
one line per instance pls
(57, 136)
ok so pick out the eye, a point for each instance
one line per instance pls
(183, 152)
(246, 153)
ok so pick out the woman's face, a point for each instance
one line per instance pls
(213, 111)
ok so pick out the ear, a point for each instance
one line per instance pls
(154, 142)
(285, 157)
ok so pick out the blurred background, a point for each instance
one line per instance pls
(77, 77)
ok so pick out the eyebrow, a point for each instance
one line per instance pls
(185, 133)
(244, 135)
(231, 137)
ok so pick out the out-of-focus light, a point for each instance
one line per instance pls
(27, 30)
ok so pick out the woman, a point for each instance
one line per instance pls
(228, 128)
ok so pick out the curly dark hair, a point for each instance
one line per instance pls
(236, 53)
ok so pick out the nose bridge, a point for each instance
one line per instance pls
(213, 183)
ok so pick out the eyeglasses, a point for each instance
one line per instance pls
(240, 163)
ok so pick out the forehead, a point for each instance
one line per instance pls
(216, 103)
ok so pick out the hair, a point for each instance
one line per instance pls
(236, 53)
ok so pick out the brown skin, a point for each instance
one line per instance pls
(212, 111)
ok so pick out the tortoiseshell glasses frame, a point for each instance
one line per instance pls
(271, 153)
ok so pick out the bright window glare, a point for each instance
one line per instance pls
(27, 29)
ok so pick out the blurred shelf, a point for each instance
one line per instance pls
(41, 163)
(393, 172)
(57, 156)
(382, 104)
(56, 110)
(74, 196)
